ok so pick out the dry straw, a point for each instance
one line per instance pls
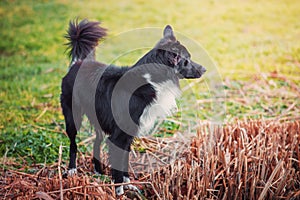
(242, 160)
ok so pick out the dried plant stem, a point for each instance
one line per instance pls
(268, 184)
(59, 172)
(244, 160)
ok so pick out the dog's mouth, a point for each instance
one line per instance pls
(192, 73)
(200, 72)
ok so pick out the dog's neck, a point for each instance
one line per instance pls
(152, 57)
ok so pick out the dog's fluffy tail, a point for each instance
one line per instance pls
(83, 38)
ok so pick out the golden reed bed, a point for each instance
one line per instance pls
(242, 160)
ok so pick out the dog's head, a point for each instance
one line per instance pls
(178, 56)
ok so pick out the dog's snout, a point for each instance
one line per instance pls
(203, 69)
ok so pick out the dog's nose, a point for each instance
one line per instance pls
(203, 70)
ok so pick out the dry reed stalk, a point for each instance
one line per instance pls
(244, 160)
(59, 172)
(43, 195)
(244, 163)
(268, 184)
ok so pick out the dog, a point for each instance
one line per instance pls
(121, 102)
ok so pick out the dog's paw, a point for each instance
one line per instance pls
(126, 179)
(132, 188)
(119, 190)
(72, 172)
(129, 186)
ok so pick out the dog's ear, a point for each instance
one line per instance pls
(168, 33)
(168, 37)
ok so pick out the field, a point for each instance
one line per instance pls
(252, 52)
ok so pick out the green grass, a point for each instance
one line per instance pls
(244, 38)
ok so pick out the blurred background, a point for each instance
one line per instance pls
(254, 44)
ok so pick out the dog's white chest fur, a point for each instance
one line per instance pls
(163, 105)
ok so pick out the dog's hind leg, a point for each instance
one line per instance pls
(71, 130)
(96, 151)
(73, 120)
(126, 163)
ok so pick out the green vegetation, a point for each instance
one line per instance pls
(255, 44)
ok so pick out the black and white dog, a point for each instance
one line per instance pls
(122, 102)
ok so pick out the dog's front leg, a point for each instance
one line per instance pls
(126, 178)
(122, 176)
(119, 147)
(116, 158)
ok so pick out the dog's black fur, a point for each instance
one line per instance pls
(93, 89)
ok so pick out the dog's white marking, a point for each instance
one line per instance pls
(119, 190)
(129, 187)
(74, 60)
(126, 179)
(72, 172)
(147, 77)
(132, 188)
(163, 105)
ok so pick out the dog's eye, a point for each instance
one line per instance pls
(186, 62)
